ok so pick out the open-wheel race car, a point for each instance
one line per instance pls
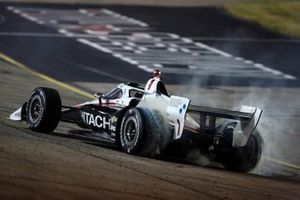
(145, 120)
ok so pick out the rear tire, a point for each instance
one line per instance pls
(43, 110)
(244, 158)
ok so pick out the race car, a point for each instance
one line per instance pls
(145, 120)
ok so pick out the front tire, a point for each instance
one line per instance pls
(43, 110)
(141, 132)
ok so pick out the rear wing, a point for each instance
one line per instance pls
(247, 119)
(221, 113)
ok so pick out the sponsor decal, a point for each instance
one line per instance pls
(114, 120)
(98, 121)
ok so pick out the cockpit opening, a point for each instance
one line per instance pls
(115, 93)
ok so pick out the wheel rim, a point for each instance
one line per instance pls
(130, 130)
(35, 109)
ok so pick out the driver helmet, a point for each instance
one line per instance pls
(157, 73)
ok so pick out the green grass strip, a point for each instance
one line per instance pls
(282, 16)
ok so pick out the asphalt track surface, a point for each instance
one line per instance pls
(221, 50)
(57, 51)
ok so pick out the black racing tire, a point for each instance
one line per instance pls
(43, 110)
(142, 132)
(245, 158)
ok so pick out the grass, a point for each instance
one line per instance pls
(281, 16)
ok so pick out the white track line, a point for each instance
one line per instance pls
(121, 32)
